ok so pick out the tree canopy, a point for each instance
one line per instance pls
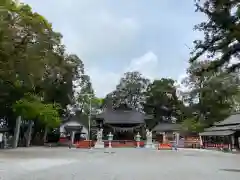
(221, 31)
(38, 78)
(130, 90)
(211, 95)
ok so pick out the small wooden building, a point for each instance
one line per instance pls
(165, 131)
(226, 132)
(72, 129)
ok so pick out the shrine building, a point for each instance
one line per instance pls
(123, 121)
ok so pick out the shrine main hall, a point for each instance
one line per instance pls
(123, 122)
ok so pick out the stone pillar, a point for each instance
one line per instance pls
(16, 132)
(72, 137)
(177, 138)
(29, 133)
(201, 141)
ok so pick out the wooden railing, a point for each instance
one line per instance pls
(132, 143)
(115, 143)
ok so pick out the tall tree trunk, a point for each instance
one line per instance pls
(16, 132)
(29, 133)
(45, 134)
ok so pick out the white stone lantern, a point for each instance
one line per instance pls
(110, 138)
(138, 139)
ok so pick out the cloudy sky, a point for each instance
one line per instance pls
(115, 36)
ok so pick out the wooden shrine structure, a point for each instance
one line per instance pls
(123, 121)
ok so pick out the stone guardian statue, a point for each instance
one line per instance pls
(99, 143)
(149, 143)
(99, 135)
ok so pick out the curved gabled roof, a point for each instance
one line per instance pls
(122, 115)
(231, 120)
(162, 127)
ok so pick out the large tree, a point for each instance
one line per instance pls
(131, 90)
(33, 60)
(210, 95)
(221, 33)
(162, 102)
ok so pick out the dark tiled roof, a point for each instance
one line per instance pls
(123, 114)
(4, 129)
(101, 115)
(122, 117)
(162, 127)
(76, 118)
(222, 128)
(73, 128)
(233, 119)
(217, 133)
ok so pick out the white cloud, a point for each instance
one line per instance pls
(105, 81)
(90, 28)
(146, 64)
(105, 34)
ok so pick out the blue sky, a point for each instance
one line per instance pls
(115, 36)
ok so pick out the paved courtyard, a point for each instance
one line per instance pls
(121, 164)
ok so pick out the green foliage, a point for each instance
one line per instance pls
(211, 96)
(49, 115)
(131, 89)
(162, 100)
(221, 34)
(27, 107)
(192, 125)
(31, 108)
(214, 83)
(33, 60)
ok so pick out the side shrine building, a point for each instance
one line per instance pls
(123, 122)
(224, 133)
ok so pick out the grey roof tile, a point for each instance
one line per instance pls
(122, 117)
(220, 128)
(233, 119)
(162, 127)
(217, 133)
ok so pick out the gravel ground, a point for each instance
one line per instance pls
(119, 164)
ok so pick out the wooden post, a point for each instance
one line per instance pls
(16, 132)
